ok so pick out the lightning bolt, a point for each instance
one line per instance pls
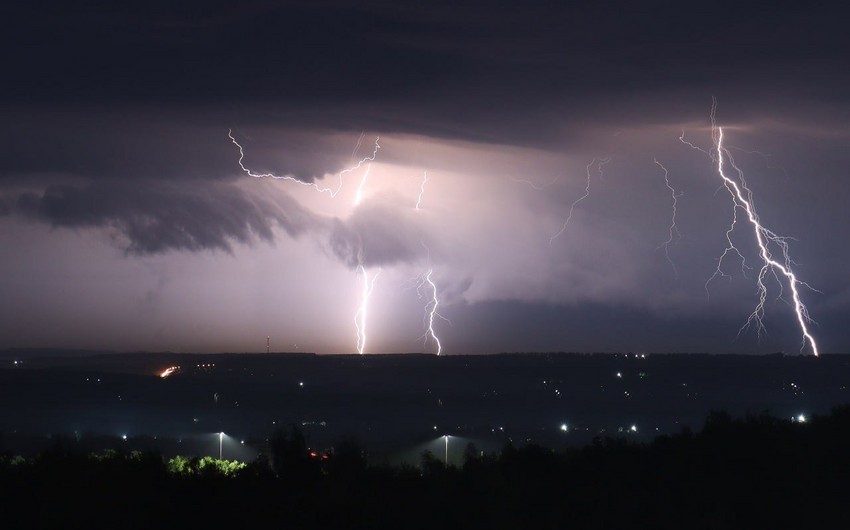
(599, 163)
(368, 285)
(425, 278)
(321, 189)
(360, 316)
(430, 308)
(673, 230)
(421, 190)
(359, 143)
(765, 156)
(691, 145)
(742, 199)
(359, 195)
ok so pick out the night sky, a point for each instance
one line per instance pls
(127, 224)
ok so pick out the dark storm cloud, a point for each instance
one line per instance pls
(159, 217)
(116, 116)
(95, 87)
(99, 144)
(153, 217)
(377, 234)
(207, 50)
(514, 73)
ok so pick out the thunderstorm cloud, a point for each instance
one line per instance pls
(161, 216)
(116, 137)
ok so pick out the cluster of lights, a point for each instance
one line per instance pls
(168, 371)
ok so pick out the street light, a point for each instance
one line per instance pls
(220, 440)
(446, 436)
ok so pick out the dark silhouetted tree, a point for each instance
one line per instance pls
(289, 457)
(347, 459)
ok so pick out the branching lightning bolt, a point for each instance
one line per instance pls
(673, 230)
(691, 145)
(368, 285)
(430, 308)
(360, 316)
(321, 189)
(742, 199)
(765, 156)
(599, 163)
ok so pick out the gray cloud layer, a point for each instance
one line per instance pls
(157, 217)
(116, 116)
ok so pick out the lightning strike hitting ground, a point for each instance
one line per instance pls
(321, 189)
(430, 309)
(673, 231)
(425, 278)
(742, 199)
(599, 163)
(360, 316)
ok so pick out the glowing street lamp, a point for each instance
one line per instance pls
(446, 436)
(220, 440)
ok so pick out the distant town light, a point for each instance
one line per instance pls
(564, 427)
(801, 418)
(633, 428)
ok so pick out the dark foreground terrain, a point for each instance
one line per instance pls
(752, 472)
(396, 405)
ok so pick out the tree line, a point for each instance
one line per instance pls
(753, 472)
